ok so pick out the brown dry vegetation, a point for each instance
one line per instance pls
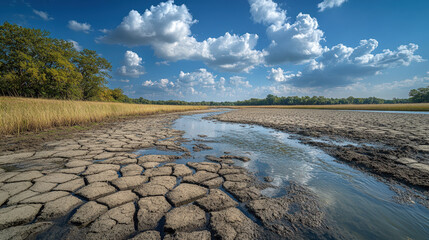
(28, 114)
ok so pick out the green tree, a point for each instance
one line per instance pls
(118, 95)
(270, 99)
(95, 71)
(34, 65)
(419, 95)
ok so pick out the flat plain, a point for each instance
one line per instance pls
(404, 138)
(92, 184)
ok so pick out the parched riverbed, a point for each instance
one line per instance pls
(193, 177)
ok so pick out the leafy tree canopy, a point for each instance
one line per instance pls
(32, 64)
(420, 95)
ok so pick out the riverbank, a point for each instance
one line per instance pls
(96, 185)
(400, 142)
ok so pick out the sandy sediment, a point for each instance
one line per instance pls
(401, 150)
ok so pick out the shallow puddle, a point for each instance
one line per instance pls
(357, 203)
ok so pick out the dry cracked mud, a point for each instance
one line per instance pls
(400, 142)
(93, 186)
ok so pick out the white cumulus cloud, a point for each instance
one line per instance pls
(329, 4)
(342, 65)
(238, 81)
(290, 42)
(221, 84)
(165, 22)
(232, 53)
(79, 27)
(166, 28)
(42, 14)
(200, 77)
(161, 89)
(162, 83)
(279, 75)
(295, 43)
(197, 84)
(267, 12)
(132, 65)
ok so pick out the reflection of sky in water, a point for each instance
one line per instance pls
(359, 204)
(343, 142)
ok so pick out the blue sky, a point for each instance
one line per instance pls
(233, 50)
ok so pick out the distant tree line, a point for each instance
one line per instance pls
(316, 100)
(33, 64)
(420, 95)
(275, 100)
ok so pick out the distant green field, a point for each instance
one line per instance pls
(378, 107)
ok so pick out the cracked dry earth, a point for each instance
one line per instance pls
(94, 187)
(404, 156)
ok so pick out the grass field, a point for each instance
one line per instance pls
(377, 107)
(27, 114)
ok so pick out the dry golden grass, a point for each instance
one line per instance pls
(377, 107)
(28, 114)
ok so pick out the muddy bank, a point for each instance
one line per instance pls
(94, 186)
(399, 143)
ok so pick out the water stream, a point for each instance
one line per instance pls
(357, 203)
